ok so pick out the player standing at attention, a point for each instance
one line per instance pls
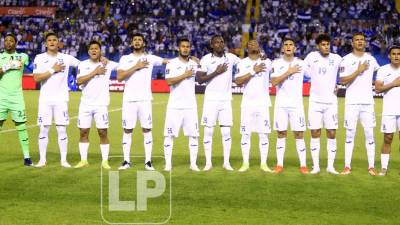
(287, 75)
(94, 76)
(51, 69)
(253, 72)
(216, 70)
(182, 106)
(135, 69)
(12, 66)
(322, 66)
(388, 81)
(356, 72)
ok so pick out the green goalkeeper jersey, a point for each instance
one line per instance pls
(11, 81)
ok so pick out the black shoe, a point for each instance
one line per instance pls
(148, 166)
(28, 162)
(125, 165)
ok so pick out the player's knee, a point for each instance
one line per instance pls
(316, 133)
(20, 126)
(128, 131)
(245, 138)
(84, 133)
(208, 131)
(225, 132)
(350, 133)
(102, 133)
(146, 130)
(1, 123)
(331, 134)
(282, 134)
(369, 133)
(388, 138)
(298, 134)
(263, 137)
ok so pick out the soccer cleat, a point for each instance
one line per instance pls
(207, 167)
(65, 164)
(304, 170)
(265, 168)
(278, 169)
(149, 166)
(227, 167)
(194, 168)
(105, 165)
(244, 167)
(383, 172)
(372, 171)
(28, 162)
(125, 165)
(331, 171)
(40, 164)
(315, 170)
(82, 163)
(346, 171)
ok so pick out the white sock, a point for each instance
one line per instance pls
(348, 147)
(83, 150)
(62, 142)
(280, 150)
(315, 149)
(385, 160)
(226, 143)
(126, 145)
(245, 143)
(207, 142)
(43, 141)
(331, 147)
(193, 150)
(263, 144)
(148, 145)
(301, 151)
(370, 146)
(105, 149)
(168, 145)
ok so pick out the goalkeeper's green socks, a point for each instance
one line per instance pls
(23, 139)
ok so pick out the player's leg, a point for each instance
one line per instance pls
(263, 128)
(191, 129)
(281, 120)
(19, 117)
(208, 120)
(44, 120)
(297, 123)
(367, 117)
(84, 124)
(129, 117)
(173, 121)
(331, 124)
(225, 122)
(101, 118)
(145, 116)
(315, 115)
(61, 119)
(388, 128)
(246, 117)
(351, 115)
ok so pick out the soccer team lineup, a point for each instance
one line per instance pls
(218, 70)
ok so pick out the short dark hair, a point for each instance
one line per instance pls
(288, 39)
(184, 39)
(51, 33)
(94, 42)
(357, 34)
(138, 35)
(323, 37)
(11, 35)
(394, 46)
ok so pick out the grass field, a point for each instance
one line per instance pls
(54, 195)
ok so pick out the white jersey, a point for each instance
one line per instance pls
(289, 93)
(97, 90)
(323, 72)
(55, 88)
(388, 74)
(360, 90)
(256, 90)
(182, 94)
(138, 85)
(220, 87)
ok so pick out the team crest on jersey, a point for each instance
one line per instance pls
(248, 66)
(281, 67)
(341, 69)
(178, 68)
(315, 61)
(354, 63)
(331, 62)
(60, 61)
(35, 66)
(167, 71)
(213, 62)
(18, 57)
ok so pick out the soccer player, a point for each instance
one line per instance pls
(182, 106)
(287, 75)
(135, 69)
(94, 76)
(322, 66)
(51, 70)
(253, 72)
(12, 66)
(217, 69)
(356, 72)
(388, 81)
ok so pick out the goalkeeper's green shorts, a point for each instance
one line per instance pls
(16, 107)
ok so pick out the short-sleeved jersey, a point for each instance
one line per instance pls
(290, 91)
(360, 90)
(138, 85)
(256, 90)
(220, 87)
(11, 80)
(323, 72)
(55, 88)
(387, 74)
(96, 90)
(182, 95)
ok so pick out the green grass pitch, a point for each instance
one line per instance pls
(54, 195)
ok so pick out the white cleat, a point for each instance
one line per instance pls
(125, 165)
(149, 166)
(228, 167)
(207, 167)
(315, 170)
(40, 164)
(332, 171)
(65, 164)
(194, 168)
(383, 172)
(244, 167)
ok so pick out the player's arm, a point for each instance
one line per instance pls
(380, 87)
(100, 70)
(10, 65)
(124, 74)
(350, 78)
(174, 80)
(38, 77)
(291, 70)
(204, 77)
(240, 80)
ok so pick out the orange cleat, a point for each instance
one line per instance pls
(278, 169)
(372, 171)
(346, 171)
(304, 170)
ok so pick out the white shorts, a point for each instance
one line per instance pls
(322, 115)
(132, 110)
(390, 124)
(46, 112)
(88, 112)
(217, 110)
(363, 111)
(177, 118)
(254, 119)
(284, 115)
